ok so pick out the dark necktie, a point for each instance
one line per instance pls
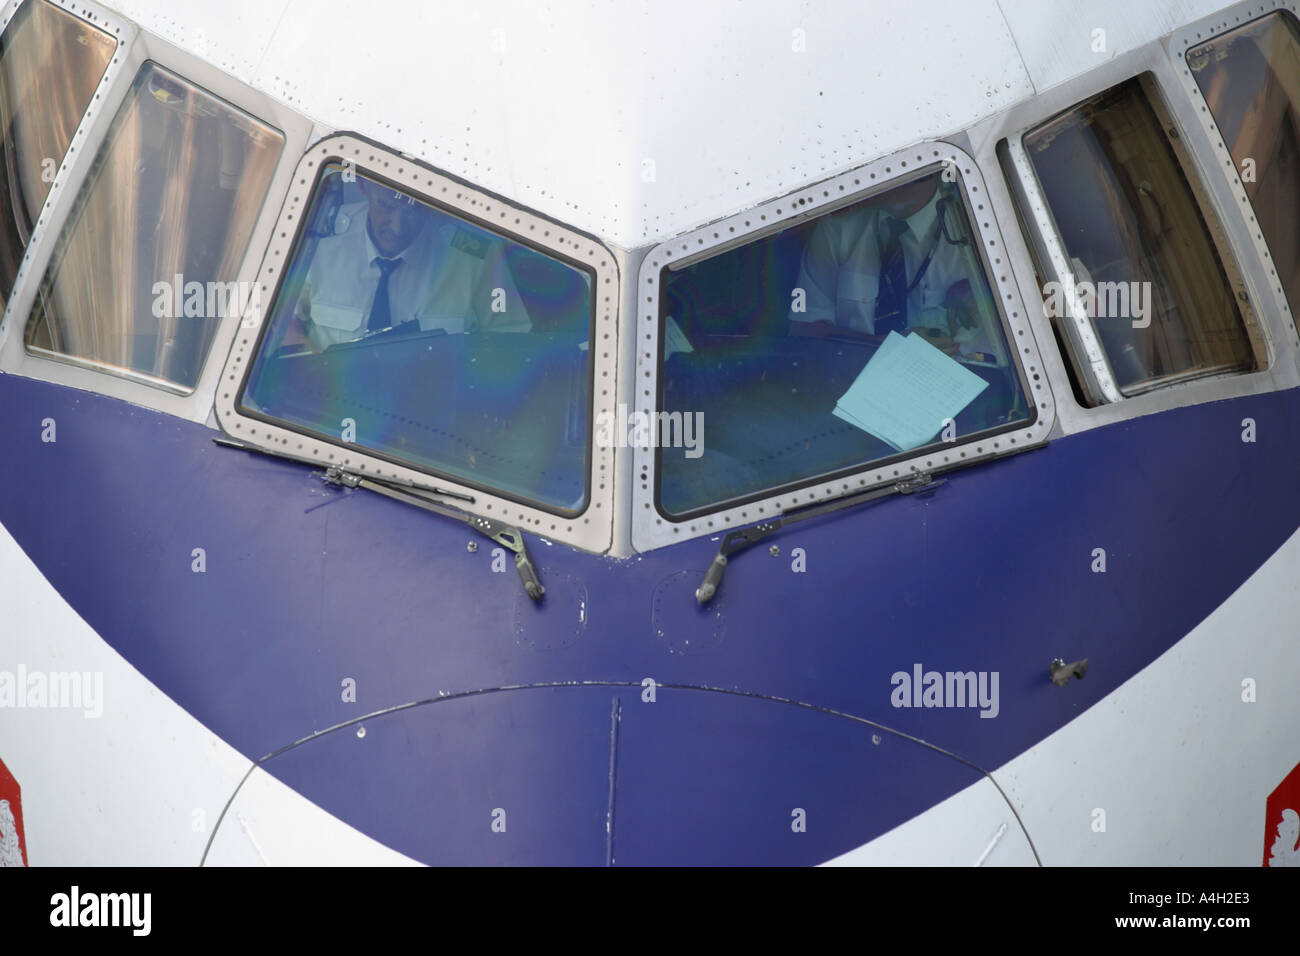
(891, 298)
(381, 314)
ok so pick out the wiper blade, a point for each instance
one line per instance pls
(419, 495)
(743, 538)
(316, 462)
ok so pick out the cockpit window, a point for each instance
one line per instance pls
(1250, 78)
(432, 342)
(1149, 268)
(50, 65)
(865, 335)
(147, 264)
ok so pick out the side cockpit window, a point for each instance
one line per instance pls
(1150, 294)
(1250, 78)
(50, 64)
(430, 341)
(866, 335)
(145, 267)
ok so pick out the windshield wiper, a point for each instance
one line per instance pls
(304, 460)
(419, 495)
(743, 538)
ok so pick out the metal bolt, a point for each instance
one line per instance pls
(472, 547)
(774, 551)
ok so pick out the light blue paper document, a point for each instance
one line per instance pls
(906, 391)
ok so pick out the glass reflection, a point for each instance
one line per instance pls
(432, 341)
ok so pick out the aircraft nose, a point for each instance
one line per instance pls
(594, 775)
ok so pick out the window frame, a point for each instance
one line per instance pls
(590, 529)
(83, 141)
(1203, 31)
(137, 47)
(651, 528)
(1081, 335)
(1017, 195)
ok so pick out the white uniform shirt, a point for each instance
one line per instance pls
(840, 272)
(453, 277)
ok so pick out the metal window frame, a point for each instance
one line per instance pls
(590, 529)
(82, 142)
(1203, 31)
(1099, 377)
(652, 529)
(1223, 202)
(136, 47)
(1091, 360)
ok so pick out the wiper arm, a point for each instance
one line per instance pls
(316, 462)
(504, 534)
(743, 538)
(419, 495)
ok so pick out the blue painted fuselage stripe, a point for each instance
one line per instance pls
(304, 587)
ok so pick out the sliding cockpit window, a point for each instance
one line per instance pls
(432, 342)
(1250, 78)
(148, 263)
(50, 64)
(1149, 266)
(868, 334)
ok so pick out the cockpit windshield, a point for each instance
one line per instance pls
(147, 266)
(1250, 78)
(433, 342)
(865, 335)
(39, 116)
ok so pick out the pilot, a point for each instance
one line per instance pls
(889, 266)
(397, 264)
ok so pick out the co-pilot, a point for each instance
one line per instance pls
(891, 265)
